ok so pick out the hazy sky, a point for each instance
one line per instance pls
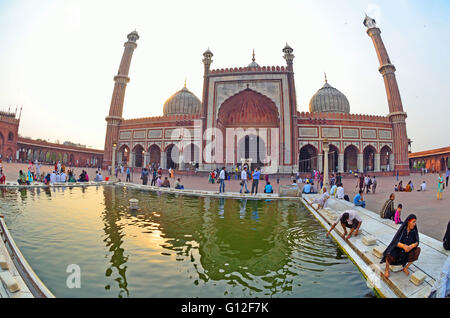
(58, 58)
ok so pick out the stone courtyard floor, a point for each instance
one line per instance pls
(433, 215)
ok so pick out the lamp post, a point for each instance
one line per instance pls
(113, 163)
(326, 148)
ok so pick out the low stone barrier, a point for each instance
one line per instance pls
(289, 191)
(366, 249)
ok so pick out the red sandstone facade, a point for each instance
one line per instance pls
(49, 153)
(9, 130)
(435, 160)
(15, 148)
(257, 104)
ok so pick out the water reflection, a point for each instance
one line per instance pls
(114, 240)
(178, 246)
(262, 253)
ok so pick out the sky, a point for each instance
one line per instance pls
(58, 58)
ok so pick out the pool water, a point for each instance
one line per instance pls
(176, 246)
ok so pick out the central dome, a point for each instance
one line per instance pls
(329, 100)
(182, 102)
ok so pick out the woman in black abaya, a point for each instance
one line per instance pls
(403, 249)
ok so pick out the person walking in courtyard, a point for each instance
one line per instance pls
(350, 219)
(144, 176)
(358, 200)
(154, 175)
(244, 180)
(374, 184)
(403, 249)
(255, 177)
(339, 178)
(222, 180)
(360, 182)
(128, 175)
(440, 187)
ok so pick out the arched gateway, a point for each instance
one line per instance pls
(246, 118)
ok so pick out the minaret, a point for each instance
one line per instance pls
(207, 60)
(289, 57)
(115, 111)
(396, 114)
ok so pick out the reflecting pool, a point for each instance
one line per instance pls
(176, 246)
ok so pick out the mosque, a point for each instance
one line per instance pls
(249, 115)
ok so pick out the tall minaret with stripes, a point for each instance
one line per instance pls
(121, 80)
(396, 114)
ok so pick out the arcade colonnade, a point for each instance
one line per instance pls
(171, 156)
(50, 153)
(351, 159)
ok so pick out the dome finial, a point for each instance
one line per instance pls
(325, 77)
(184, 82)
(253, 58)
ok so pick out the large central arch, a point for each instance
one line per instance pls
(248, 108)
(250, 114)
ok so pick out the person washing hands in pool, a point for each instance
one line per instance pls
(350, 219)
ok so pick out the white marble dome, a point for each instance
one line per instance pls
(181, 103)
(329, 100)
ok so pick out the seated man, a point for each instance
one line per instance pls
(340, 192)
(100, 177)
(268, 188)
(62, 177)
(294, 183)
(387, 210)
(358, 200)
(159, 181)
(166, 183)
(178, 184)
(53, 177)
(323, 200)
(22, 178)
(307, 188)
(350, 219)
(58, 177)
(423, 186)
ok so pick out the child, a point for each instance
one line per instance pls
(398, 213)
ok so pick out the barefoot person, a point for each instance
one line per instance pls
(322, 201)
(440, 187)
(350, 219)
(403, 249)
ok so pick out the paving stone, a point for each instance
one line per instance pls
(418, 278)
(3, 262)
(9, 281)
(395, 268)
(377, 251)
(369, 240)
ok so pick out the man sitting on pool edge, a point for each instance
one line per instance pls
(348, 219)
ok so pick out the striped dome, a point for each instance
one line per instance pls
(181, 103)
(329, 100)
